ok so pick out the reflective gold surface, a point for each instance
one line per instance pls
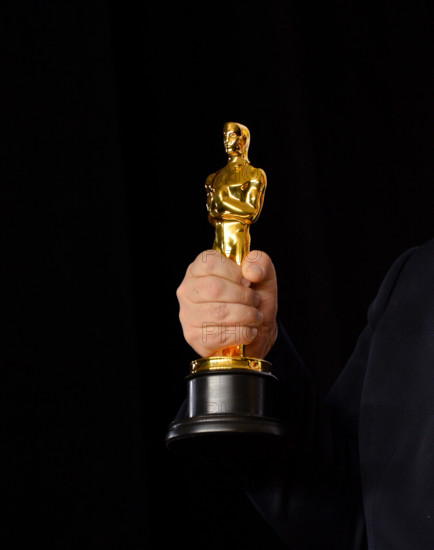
(235, 195)
(229, 363)
(234, 199)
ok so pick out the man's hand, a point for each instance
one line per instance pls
(223, 304)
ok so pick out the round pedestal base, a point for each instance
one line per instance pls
(225, 436)
(228, 413)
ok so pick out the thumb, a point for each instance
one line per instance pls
(257, 267)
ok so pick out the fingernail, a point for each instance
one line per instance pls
(256, 300)
(257, 269)
(245, 282)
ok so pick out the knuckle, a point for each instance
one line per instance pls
(190, 335)
(180, 292)
(183, 319)
(187, 318)
(206, 260)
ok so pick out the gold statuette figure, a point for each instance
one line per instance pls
(235, 195)
(234, 199)
(231, 404)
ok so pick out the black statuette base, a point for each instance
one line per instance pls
(228, 412)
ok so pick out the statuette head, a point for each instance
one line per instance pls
(236, 139)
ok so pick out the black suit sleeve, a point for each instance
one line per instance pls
(310, 494)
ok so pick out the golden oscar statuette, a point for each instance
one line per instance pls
(231, 398)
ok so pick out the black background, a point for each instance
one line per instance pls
(112, 117)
